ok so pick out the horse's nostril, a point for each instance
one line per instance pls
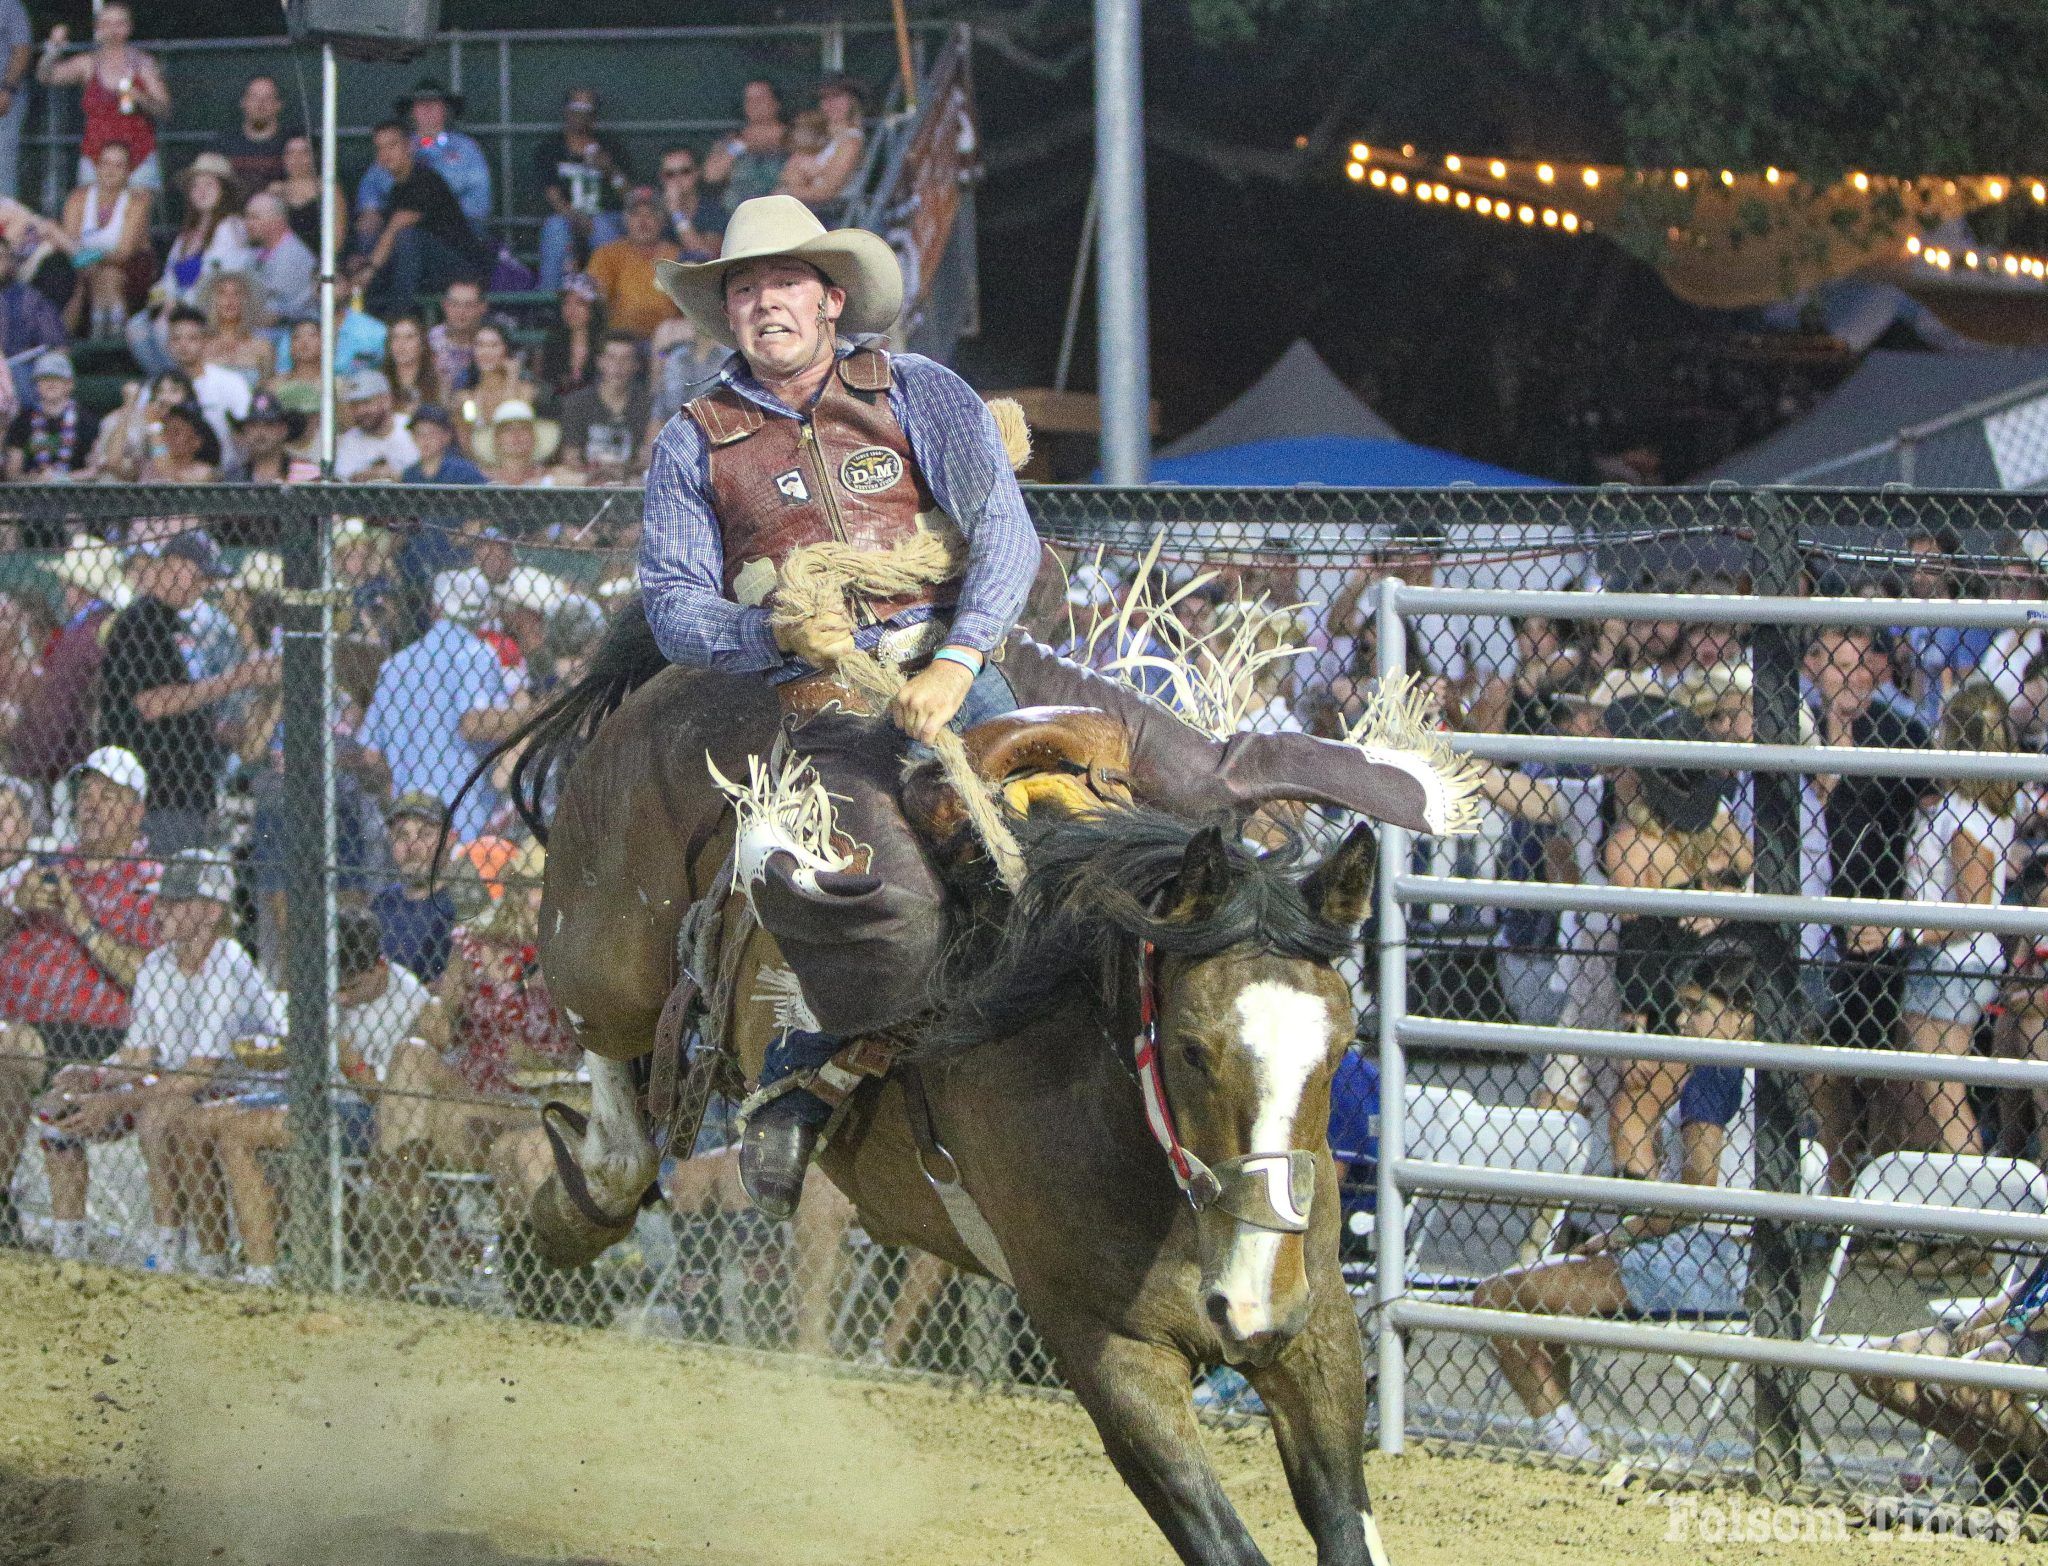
(1218, 1307)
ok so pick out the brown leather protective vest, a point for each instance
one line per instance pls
(845, 473)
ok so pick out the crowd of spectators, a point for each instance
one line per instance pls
(220, 249)
(144, 834)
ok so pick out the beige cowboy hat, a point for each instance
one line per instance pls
(855, 260)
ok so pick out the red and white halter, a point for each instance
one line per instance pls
(1266, 1190)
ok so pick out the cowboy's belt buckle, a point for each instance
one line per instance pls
(908, 643)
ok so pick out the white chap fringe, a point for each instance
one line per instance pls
(784, 807)
(779, 989)
(1211, 679)
(1402, 727)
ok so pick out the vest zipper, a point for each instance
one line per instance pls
(862, 615)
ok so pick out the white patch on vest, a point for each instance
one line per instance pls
(791, 486)
(1286, 1032)
(871, 470)
(755, 581)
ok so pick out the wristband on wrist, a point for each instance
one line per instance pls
(966, 657)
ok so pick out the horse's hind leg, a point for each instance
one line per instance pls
(1315, 1392)
(1137, 1394)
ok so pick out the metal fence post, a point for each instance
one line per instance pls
(1775, 1291)
(311, 1251)
(1390, 1224)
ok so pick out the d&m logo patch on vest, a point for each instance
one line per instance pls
(871, 470)
(791, 486)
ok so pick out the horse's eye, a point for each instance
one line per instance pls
(1196, 1054)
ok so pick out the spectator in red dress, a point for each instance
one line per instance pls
(125, 94)
(78, 930)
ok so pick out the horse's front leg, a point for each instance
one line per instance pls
(1315, 1391)
(1137, 1394)
(617, 1157)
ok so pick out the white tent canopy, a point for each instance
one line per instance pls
(1298, 395)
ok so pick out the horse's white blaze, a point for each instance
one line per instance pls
(1286, 1032)
(617, 1159)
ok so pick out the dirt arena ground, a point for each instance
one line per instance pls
(160, 1422)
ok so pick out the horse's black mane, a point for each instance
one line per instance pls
(626, 659)
(1090, 895)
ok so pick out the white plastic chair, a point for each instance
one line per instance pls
(1434, 1117)
(1969, 1180)
(1497, 1136)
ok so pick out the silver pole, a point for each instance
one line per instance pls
(1721, 1203)
(329, 91)
(1753, 907)
(1122, 332)
(1836, 1358)
(1390, 1223)
(1987, 614)
(329, 220)
(1828, 1060)
(1835, 760)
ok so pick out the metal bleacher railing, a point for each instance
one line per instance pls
(1475, 589)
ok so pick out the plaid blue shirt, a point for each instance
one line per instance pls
(954, 439)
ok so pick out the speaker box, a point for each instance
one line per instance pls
(366, 29)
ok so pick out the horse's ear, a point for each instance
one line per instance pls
(1203, 878)
(1339, 890)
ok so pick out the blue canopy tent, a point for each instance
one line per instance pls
(1335, 460)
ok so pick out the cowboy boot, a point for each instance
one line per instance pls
(775, 1153)
(1177, 767)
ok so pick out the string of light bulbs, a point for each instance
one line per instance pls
(1501, 208)
(1499, 189)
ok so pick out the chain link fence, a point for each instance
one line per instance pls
(248, 1033)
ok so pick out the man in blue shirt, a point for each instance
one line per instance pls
(810, 438)
(449, 153)
(430, 697)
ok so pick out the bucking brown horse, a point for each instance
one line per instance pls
(1140, 950)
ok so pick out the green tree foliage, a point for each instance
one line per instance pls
(1900, 86)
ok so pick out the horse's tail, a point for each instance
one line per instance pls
(548, 741)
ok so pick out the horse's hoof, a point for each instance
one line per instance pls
(562, 1236)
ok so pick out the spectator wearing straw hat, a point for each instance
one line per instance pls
(516, 455)
(51, 440)
(195, 995)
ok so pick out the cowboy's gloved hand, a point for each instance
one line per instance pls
(929, 699)
(821, 641)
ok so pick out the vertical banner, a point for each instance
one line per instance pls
(923, 197)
